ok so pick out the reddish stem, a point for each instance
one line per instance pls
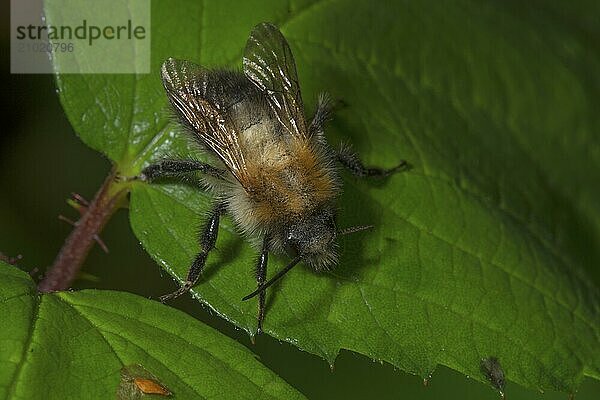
(71, 256)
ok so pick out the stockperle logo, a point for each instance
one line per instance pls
(80, 36)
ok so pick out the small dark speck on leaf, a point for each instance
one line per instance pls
(494, 373)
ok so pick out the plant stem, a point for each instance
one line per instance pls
(74, 251)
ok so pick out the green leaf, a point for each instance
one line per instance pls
(489, 247)
(75, 344)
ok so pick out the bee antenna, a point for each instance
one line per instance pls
(274, 279)
(354, 229)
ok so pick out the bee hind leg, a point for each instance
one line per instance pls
(323, 112)
(175, 168)
(207, 242)
(261, 277)
(352, 162)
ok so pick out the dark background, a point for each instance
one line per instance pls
(42, 161)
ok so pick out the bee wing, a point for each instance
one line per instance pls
(269, 64)
(185, 84)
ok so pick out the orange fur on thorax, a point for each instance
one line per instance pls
(290, 181)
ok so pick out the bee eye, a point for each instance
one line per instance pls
(331, 223)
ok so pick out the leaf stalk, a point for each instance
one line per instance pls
(77, 245)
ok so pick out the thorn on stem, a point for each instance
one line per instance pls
(96, 237)
(67, 220)
(80, 199)
(10, 260)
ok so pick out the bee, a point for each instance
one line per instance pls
(273, 172)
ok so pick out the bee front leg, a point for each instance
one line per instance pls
(207, 242)
(261, 277)
(351, 161)
(170, 168)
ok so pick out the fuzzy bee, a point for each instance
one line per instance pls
(273, 172)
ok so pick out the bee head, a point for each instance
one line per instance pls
(313, 237)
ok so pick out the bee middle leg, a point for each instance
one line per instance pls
(207, 243)
(352, 162)
(261, 277)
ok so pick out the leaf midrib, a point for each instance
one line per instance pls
(27, 347)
